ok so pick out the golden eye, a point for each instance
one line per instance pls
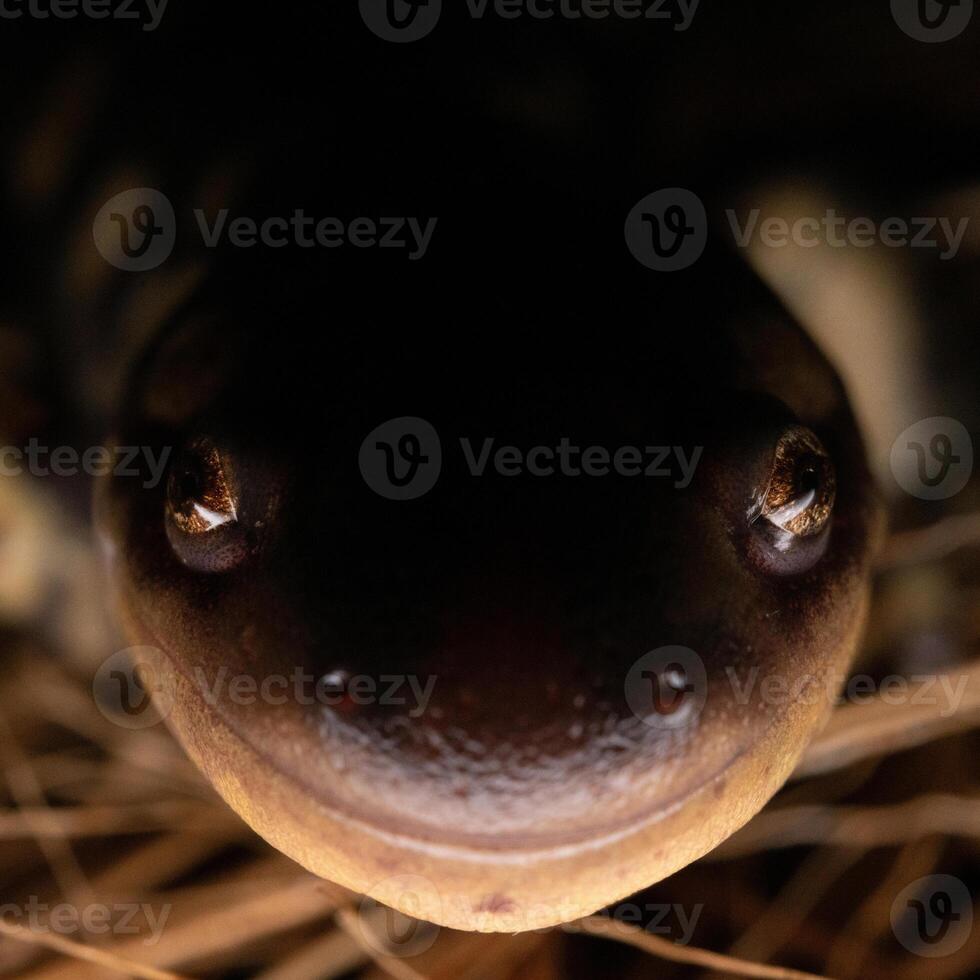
(203, 522)
(199, 496)
(799, 498)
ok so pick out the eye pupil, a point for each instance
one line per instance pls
(809, 478)
(189, 485)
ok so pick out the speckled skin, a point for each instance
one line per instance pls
(527, 792)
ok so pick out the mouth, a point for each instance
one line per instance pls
(506, 783)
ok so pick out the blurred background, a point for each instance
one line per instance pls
(784, 110)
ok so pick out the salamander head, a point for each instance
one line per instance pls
(537, 621)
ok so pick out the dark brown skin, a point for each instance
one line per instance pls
(528, 792)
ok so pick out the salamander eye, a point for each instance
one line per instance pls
(800, 497)
(199, 497)
(795, 505)
(202, 510)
